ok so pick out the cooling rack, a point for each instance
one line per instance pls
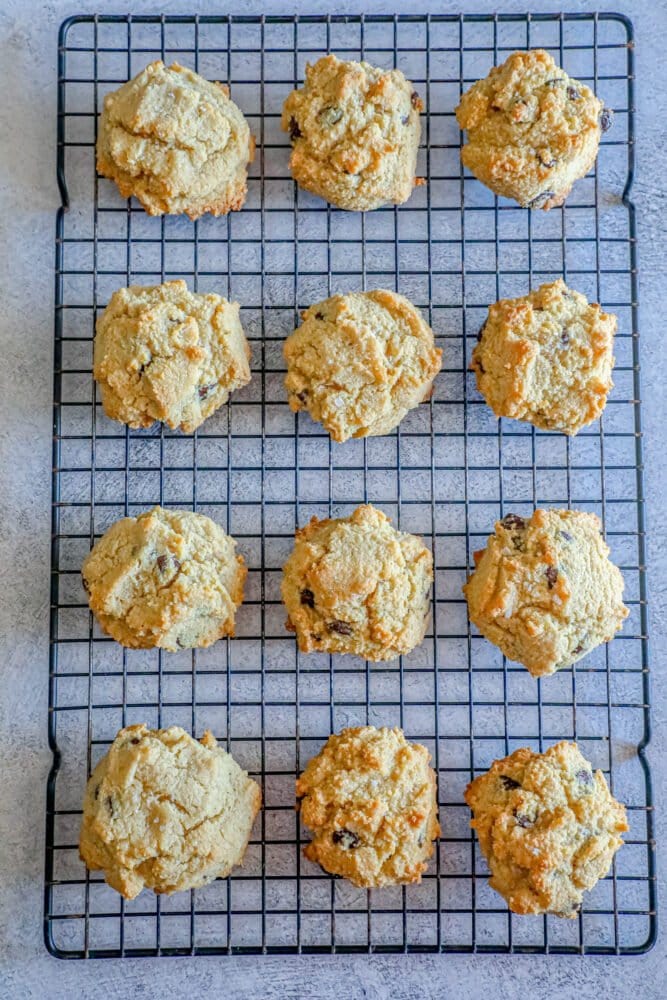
(447, 473)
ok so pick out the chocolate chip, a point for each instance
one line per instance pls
(319, 315)
(523, 821)
(566, 536)
(109, 804)
(580, 648)
(405, 119)
(342, 628)
(302, 395)
(308, 598)
(415, 100)
(564, 338)
(513, 521)
(135, 741)
(205, 389)
(541, 199)
(573, 94)
(294, 130)
(584, 777)
(330, 116)
(606, 119)
(552, 576)
(164, 561)
(546, 160)
(347, 839)
(509, 783)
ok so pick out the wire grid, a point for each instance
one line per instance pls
(447, 473)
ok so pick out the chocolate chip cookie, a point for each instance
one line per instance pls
(164, 353)
(546, 358)
(176, 142)
(165, 812)
(357, 585)
(548, 827)
(370, 801)
(532, 130)
(168, 578)
(355, 133)
(544, 589)
(359, 362)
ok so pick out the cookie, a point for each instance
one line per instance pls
(175, 142)
(369, 799)
(168, 578)
(357, 585)
(548, 827)
(164, 353)
(166, 813)
(532, 130)
(544, 590)
(359, 362)
(355, 133)
(546, 358)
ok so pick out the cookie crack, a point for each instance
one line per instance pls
(177, 143)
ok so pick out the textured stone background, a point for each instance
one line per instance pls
(28, 200)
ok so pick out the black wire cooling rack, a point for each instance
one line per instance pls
(447, 473)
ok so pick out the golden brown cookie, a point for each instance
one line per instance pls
(546, 358)
(548, 827)
(370, 801)
(357, 585)
(176, 142)
(532, 130)
(544, 589)
(164, 353)
(359, 362)
(355, 133)
(168, 578)
(165, 812)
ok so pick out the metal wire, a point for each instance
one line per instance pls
(447, 473)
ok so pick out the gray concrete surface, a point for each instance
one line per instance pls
(28, 199)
